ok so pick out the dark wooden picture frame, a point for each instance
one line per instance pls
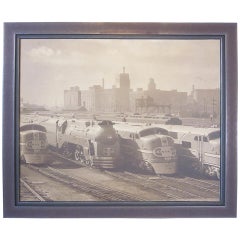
(227, 32)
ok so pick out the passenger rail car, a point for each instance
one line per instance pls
(89, 142)
(147, 148)
(33, 144)
(198, 148)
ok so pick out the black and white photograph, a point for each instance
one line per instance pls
(111, 119)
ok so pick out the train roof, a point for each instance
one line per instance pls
(50, 123)
(134, 128)
(32, 126)
(189, 129)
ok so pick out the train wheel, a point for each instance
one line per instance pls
(149, 167)
(197, 168)
(78, 154)
(66, 151)
(88, 162)
(146, 166)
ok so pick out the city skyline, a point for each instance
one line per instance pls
(49, 66)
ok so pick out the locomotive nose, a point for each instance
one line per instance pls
(160, 147)
(160, 153)
(156, 142)
(215, 146)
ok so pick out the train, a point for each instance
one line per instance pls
(91, 143)
(198, 149)
(33, 144)
(147, 148)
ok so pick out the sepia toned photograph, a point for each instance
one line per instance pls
(120, 120)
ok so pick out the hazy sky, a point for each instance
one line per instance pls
(48, 66)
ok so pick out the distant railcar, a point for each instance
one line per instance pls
(147, 148)
(33, 144)
(198, 149)
(89, 142)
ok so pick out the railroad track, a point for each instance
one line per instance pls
(170, 194)
(191, 185)
(68, 159)
(165, 195)
(83, 185)
(168, 188)
(29, 193)
(173, 189)
(199, 183)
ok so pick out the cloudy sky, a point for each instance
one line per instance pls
(48, 66)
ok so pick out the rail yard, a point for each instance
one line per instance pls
(87, 160)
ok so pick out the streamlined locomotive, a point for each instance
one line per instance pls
(147, 148)
(33, 144)
(198, 149)
(89, 142)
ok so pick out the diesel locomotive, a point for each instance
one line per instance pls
(33, 144)
(147, 148)
(89, 142)
(198, 149)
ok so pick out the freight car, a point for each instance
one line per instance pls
(89, 142)
(198, 149)
(147, 148)
(33, 144)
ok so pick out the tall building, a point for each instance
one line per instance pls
(98, 99)
(123, 92)
(124, 81)
(151, 85)
(72, 98)
(115, 99)
(90, 98)
(208, 100)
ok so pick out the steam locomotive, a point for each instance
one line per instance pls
(89, 142)
(33, 144)
(147, 148)
(198, 149)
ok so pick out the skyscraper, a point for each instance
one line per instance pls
(123, 91)
(72, 98)
(151, 85)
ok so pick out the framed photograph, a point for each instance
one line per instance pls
(120, 120)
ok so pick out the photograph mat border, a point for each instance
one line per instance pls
(113, 37)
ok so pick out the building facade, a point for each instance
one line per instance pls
(98, 99)
(72, 98)
(120, 98)
(156, 100)
(208, 101)
(115, 99)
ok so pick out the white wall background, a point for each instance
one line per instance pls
(122, 11)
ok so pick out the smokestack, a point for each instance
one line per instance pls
(103, 83)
